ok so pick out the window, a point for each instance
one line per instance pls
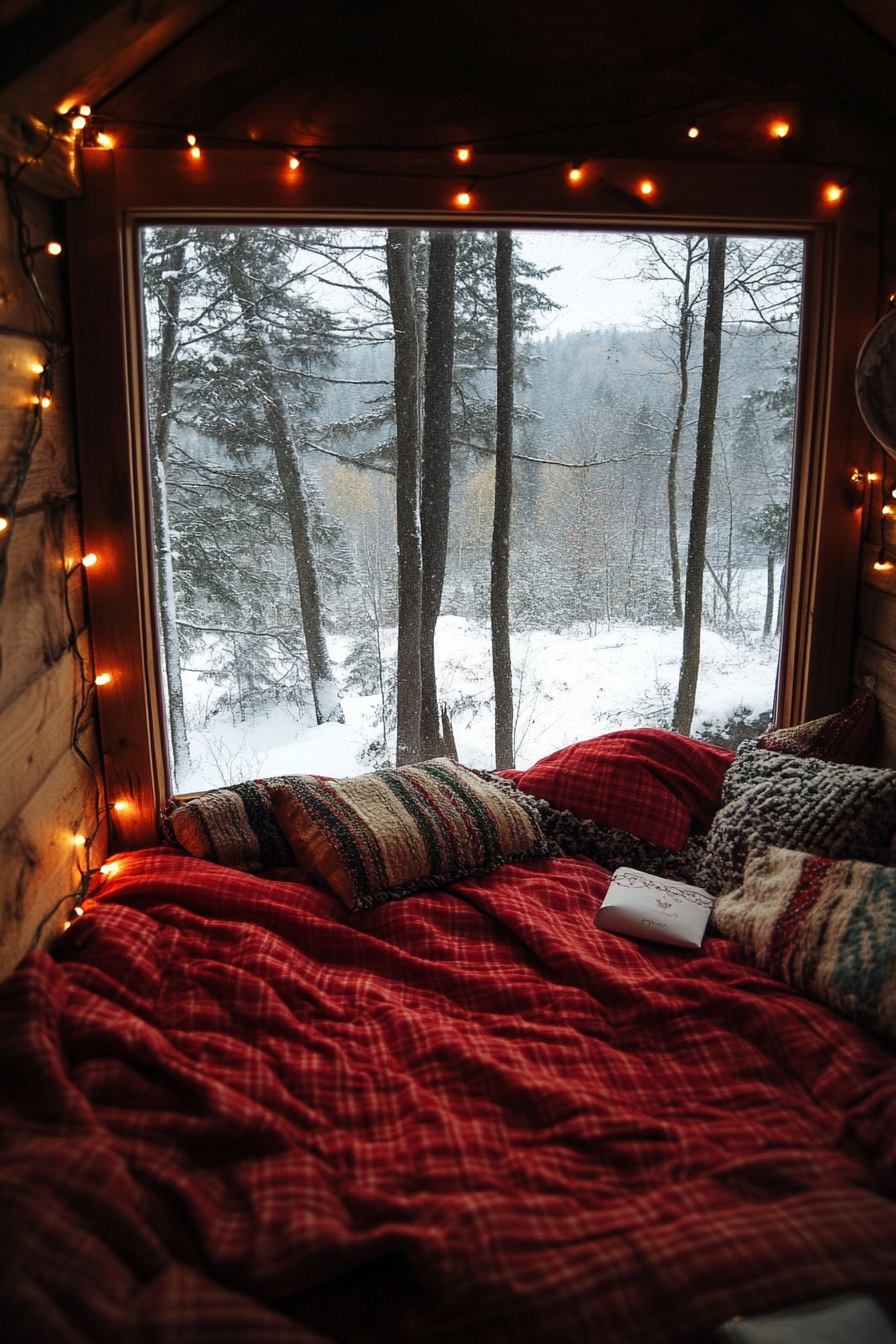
(644, 367)
(129, 191)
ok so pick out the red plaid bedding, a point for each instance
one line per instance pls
(231, 1111)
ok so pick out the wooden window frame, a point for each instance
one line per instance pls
(126, 190)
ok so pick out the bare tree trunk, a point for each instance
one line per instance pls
(769, 596)
(779, 622)
(685, 328)
(327, 705)
(399, 246)
(706, 422)
(501, 664)
(435, 482)
(168, 320)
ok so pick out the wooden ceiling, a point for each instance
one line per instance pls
(564, 78)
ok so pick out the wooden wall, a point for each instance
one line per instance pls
(48, 795)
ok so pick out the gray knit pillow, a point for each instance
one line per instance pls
(836, 811)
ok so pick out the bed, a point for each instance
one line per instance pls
(235, 1110)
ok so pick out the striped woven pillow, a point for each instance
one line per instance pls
(825, 926)
(419, 827)
(233, 826)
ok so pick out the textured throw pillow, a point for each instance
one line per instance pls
(387, 834)
(847, 736)
(647, 781)
(234, 826)
(839, 811)
(828, 928)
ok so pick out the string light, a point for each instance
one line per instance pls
(646, 188)
(294, 161)
(463, 153)
(88, 560)
(575, 174)
(54, 249)
(103, 679)
(104, 141)
(46, 401)
(874, 475)
(195, 151)
(779, 130)
(121, 805)
(78, 122)
(78, 910)
(463, 199)
(108, 869)
(37, 368)
(4, 524)
(79, 840)
(693, 132)
(882, 564)
(85, 110)
(887, 510)
(832, 193)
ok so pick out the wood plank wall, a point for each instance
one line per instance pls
(48, 795)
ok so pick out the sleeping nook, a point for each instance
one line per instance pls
(448, 672)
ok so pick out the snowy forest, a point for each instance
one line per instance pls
(408, 502)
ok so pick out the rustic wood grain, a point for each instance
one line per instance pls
(39, 859)
(875, 668)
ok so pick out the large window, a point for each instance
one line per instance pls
(473, 490)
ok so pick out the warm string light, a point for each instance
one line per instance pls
(105, 141)
(4, 524)
(693, 132)
(463, 199)
(295, 161)
(103, 679)
(88, 560)
(832, 193)
(575, 174)
(195, 151)
(121, 805)
(109, 869)
(646, 188)
(463, 153)
(779, 130)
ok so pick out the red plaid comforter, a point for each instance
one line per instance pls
(232, 1112)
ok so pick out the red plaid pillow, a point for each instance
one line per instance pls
(649, 782)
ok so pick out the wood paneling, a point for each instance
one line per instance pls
(47, 792)
(39, 859)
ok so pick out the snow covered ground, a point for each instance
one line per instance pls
(567, 687)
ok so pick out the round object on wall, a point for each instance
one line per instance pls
(876, 381)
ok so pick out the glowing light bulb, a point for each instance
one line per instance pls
(66, 926)
(54, 249)
(882, 564)
(105, 140)
(46, 401)
(779, 130)
(84, 110)
(463, 153)
(121, 805)
(874, 475)
(832, 193)
(4, 524)
(575, 174)
(78, 910)
(78, 123)
(103, 679)
(646, 188)
(294, 162)
(887, 510)
(191, 139)
(195, 152)
(88, 559)
(108, 869)
(693, 132)
(79, 840)
(37, 368)
(463, 199)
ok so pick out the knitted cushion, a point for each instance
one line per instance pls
(387, 834)
(233, 826)
(846, 736)
(654, 784)
(827, 928)
(840, 811)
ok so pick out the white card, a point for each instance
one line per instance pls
(642, 906)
